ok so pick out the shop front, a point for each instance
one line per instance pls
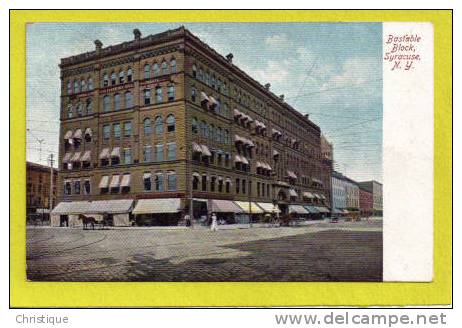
(157, 212)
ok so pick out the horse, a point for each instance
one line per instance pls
(86, 220)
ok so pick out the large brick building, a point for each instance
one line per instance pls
(152, 123)
(38, 187)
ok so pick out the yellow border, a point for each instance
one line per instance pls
(40, 294)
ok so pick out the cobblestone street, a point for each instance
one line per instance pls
(317, 252)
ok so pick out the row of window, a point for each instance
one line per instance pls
(159, 98)
(170, 124)
(119, 78)
(209, 78)
(216, 105)
(154, 70)
(155, 182)
(209, 131)
(80, 109)
(212, 184)
(77, 86)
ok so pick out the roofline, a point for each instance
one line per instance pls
(172, 34)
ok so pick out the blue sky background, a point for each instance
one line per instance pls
(331, 71)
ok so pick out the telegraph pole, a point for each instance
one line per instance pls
(51, 182)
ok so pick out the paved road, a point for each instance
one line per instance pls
(319, 252)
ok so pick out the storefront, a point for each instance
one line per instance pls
(226, 210)
(115, 212)
(251, 212)
(298, 211)
(157, 212)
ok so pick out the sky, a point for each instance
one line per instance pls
(331, 71)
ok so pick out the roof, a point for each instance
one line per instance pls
(39, 167)
(171, 35)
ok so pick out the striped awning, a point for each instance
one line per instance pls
(224, 206)
(77, 134)
(299, 209)
(322, 209)
(76, 157)
(249, 207)
(115, 181)
(196, 148)
(237, 113)
(269, 207)
(68, 135)
(67, 158)
(115, 152)
(308, 194)
(293, 193)
(86, 157)
(126, 178)
(157, 206)
(206, 151)
(204, 97)
(104, 154)
(311, 209)
(104, 182)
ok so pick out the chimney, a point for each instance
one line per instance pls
(98, 46)
(281, 97)
(267, 86)
(137, 34)
(307, 116)
(229, 57)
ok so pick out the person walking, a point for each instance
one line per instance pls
(214, 225)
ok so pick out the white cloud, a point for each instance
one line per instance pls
(277, 40)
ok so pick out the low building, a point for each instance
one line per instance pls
(376, 189)
(338, 192)
(38, 188)
(365, 202)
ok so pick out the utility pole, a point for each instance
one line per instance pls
(51, 182)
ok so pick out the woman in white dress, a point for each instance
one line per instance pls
(214, 226)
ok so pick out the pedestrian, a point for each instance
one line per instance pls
(214, 226)
(187, 220)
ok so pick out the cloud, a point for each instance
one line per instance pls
(278, 40)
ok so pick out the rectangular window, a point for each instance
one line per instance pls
(147, 181)
(159, 182)
(171, 93)
(258, 189)
(77, 187)
(147, 154)
(67, 188)
(127, 156)
(213, 181)
(116, 128)
(127, 129)
(171, 181)
(106, 131)
(159, 153)
(244, 182)
(158, 94)
(204, 183)
(147, 96)
(238, 183)
(171, 151)
(86, 187)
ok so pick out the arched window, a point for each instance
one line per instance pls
(170, 123)
(193, 94)
(129, 75)
(173, 65)
(147, 96)
(69, 87)
(171, 92)
(212, 132)
(147, 71)
(159, 125)
(159, 181)
(226, 137)
(89, 106)
(147, 126)
(90, 84)
(106, 103)
(194, 127)
(219, 135)
(128, 99)
(69, 111)
(122, 77)
(202, 126)
(105, 80)
(76, 86)
(195, 182)
(164, 67)
(156, 69)
(206, 130)
(117, 101)
(171, 180)
(158, 94)
(194, 70)
(113, 78)
(83, 85)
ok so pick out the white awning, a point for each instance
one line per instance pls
(104, 153)
(293, 193)
(269, 207)
(238, 138)
(228, 180)
(76, 157)
(115, 152)
(104, 182)
(206, 151)
(146, 175)
(244, 160)
(126, 178)
(237, 113)
(291, 174)
(89, 132)
(86, 157)
(80, 207)
(160, 205)
(196, 174)
(204, 97)
(68, 135)
(249, 207)
(196, 148)
(299, 209)
(78, 134)
(116, 206)
(213, 102)
(275, 153)
(307, 194)
(224, 206)
(115, 181)
(67, 158)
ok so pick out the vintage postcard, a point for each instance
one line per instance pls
(229, 152)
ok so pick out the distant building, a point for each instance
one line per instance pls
(38, 187)
(352, 194)
(365, 202)
(376, 189)
(338, 192)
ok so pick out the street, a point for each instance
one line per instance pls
(345, 251)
